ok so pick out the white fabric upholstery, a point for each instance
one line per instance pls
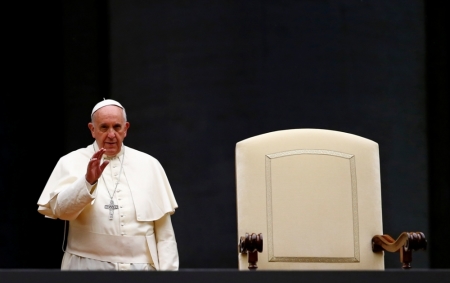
(314, 194)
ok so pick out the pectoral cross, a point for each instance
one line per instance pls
(111, 206)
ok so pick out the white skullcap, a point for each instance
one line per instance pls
(104, 103)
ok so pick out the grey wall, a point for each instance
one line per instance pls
(198, 77)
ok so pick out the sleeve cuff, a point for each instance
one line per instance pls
(91, 188)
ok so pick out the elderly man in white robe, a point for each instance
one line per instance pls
(117, 200)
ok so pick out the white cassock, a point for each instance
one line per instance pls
(139, 236)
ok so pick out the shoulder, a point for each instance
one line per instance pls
(136, 153)
(79, 154)
(141, 157)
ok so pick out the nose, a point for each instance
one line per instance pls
(111, 134)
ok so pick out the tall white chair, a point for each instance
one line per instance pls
(310, 199)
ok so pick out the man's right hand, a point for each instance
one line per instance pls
(95, 169)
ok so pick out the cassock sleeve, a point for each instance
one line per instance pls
(166, 244)
(65, 194)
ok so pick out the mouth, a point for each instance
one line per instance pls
(110, 143)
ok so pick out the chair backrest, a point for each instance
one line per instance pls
(315, 196)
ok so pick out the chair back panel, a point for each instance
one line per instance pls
(314, 194)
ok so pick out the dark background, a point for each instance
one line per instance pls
(197, 77)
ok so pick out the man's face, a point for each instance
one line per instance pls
(109, 128)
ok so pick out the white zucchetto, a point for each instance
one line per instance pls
(104, 103)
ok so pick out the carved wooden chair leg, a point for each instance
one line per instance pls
(405, 244)
(251, 244)
(405, 257)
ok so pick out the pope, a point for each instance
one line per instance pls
(117, 200)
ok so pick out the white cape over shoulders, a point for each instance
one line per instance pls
(150, 188)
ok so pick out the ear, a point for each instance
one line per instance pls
(91, 128)
(127, 126)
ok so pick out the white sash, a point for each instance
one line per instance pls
(110, 248)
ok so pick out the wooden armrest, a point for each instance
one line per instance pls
(251, 244)
(405, 244)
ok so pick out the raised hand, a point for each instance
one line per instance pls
(95, 169)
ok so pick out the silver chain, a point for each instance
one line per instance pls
(118, 180)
